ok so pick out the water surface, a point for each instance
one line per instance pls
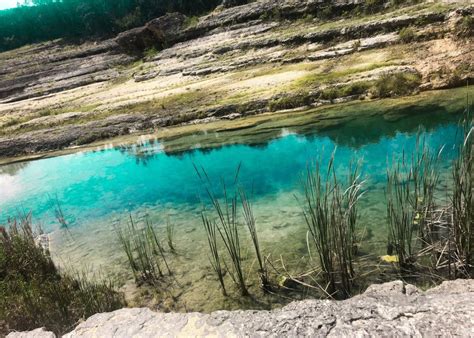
(98, 189)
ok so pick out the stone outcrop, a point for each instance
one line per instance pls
(157, 33)
(55, 95)
(390, 309)
(233, 3)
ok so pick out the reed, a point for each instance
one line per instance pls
(250, 222)
(330, 212)
(144, 251)
(59, 214)
(227, 226)
(211, 232)
(170, 235)
(155, 244)
(411, 186)
(463, 204)
(229, 231)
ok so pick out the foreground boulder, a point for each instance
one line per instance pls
(390, 309)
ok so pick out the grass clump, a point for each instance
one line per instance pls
(330, 212)
(407, 34)
(410, 203)
(251, 226)
(398, 84)
(36, 294)
(465, 27)
(215, 259)
(170, 235)
(355, 88)
(228, 229)
(272, 15)
(145, 253)
(290, 102)
(150, 52)
(463, 205)
(423, 222)
(226, 226)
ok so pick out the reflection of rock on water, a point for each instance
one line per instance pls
(13, 168)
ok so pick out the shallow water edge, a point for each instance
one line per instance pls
(184, 137)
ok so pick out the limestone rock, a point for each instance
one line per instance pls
(390, 309)
(167, 29)
(136, 40)
(38, 333)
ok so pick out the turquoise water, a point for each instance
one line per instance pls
(96, 184)
(98, 189)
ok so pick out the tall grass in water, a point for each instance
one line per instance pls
(229, 231)
(170, 235)
(36, 294)
(227, 226)
(463, 203)
(144, 251)
(215, 259)
(411, 185)
(251, 225)
(330, 212)
(155, 244)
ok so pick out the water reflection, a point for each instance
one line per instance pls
(13, 168)
(354, 131)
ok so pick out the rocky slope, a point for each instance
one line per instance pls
(265, 56)
(393, 309)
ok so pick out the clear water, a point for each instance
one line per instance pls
(97, 189)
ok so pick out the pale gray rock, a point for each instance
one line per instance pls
(38, 333)
(390, 309)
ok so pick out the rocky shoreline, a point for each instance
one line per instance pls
(394, 309)
(265, 56)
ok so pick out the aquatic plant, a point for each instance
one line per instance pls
(227, 227)
(250, 222)
(410, 202)
(59, 214)
(229, 231)
(214, 258)
(35, 293)
(463, 203)
(155, 244)
(144, 251)
(170, 235)
(330, 213)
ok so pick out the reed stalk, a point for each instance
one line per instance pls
(170, 235)
(157, 247)
(411, 185)
(211, 232)
(330, 212)
(227, 226)
(144, 251)
(463, 203)
(250, 222)
(59, 214)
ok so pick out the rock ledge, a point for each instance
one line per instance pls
(390, 309)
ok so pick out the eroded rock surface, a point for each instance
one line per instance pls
(233, 62)
(390, 309)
